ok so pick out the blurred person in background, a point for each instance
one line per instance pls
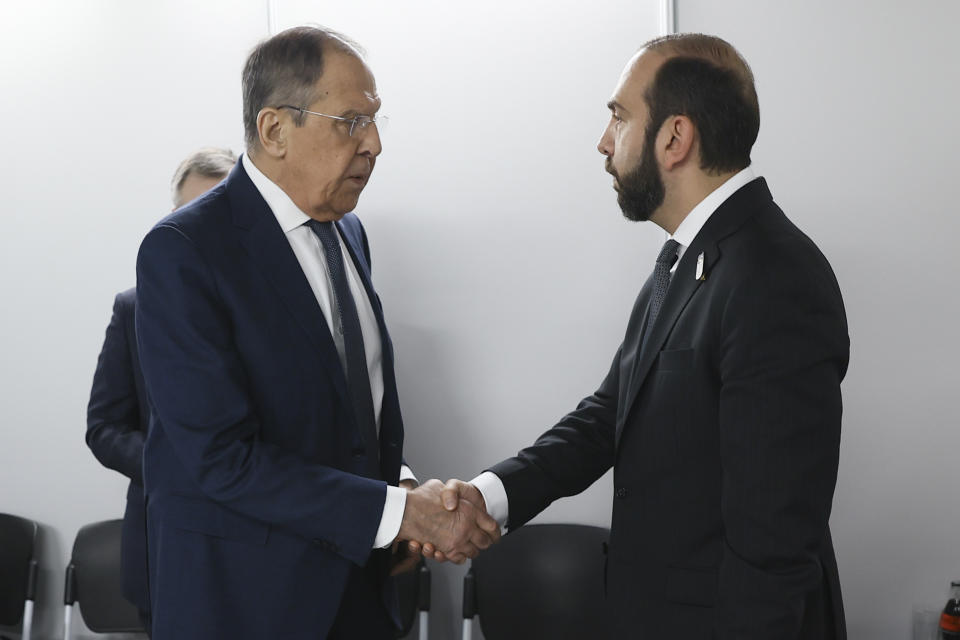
(118, 414)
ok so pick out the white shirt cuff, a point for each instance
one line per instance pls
(495, 497)
(393, 506)
(406, 473)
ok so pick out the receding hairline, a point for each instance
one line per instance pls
(712, 49)
(339, 42)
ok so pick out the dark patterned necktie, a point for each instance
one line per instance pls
(661, 280)
(348, 323)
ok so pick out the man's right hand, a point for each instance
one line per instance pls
(451, 529)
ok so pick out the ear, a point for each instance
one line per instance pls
(677, 142)
(271, 129)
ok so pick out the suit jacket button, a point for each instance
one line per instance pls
(622, 493)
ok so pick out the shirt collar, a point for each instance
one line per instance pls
(287, 213)
(699, 215)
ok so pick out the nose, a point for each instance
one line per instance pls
(605, 145)
(370, 144)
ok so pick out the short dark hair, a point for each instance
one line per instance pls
(209, 162)
(284, 69)
(707, 80)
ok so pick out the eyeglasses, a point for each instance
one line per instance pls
(356, 122)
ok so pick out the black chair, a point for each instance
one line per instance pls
(94, 581)
(413, 592)
(540, 582)
(18, 572)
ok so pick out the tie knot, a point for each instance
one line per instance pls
(325, 231)
(668, 254)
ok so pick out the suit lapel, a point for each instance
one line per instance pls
(390, 406)
(728, 217)
(364, 272)
(682, 287)
(261, 236)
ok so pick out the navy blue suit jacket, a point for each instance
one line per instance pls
(259, 498)
(117, 418)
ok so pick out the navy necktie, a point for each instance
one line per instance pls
(661, 280)
(358, 378)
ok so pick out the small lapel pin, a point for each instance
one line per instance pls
(700, 274)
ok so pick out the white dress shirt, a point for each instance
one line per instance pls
(310, 254)
(490, 486)
(698, 216)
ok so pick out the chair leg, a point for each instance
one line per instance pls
(469, 604)
(67, 620)
(423, 594)
(27, 619)
(424, 625)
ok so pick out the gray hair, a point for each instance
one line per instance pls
(209, 162)
(284, 69)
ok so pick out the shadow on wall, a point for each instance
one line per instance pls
(438, 442)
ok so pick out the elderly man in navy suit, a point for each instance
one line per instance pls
(275, 447)
(118, 413)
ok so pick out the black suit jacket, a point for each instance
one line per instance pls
(117, 419)
(723, 430)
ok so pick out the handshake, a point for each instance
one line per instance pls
(444, 522)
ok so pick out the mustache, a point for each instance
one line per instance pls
(608, 166)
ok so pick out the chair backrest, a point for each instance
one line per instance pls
(543, 581)
(18, 543)
(95, 579)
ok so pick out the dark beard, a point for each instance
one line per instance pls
(640, 192)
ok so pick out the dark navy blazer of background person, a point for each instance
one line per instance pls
(117, 419)
(260, 498)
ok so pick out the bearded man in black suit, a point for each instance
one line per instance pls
(720, 414)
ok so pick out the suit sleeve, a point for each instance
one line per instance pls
(113, 413)
(568, 458)
(784, 352)
(199, 393)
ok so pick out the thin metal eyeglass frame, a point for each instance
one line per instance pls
(361, 120)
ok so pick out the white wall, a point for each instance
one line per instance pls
(504, 265)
